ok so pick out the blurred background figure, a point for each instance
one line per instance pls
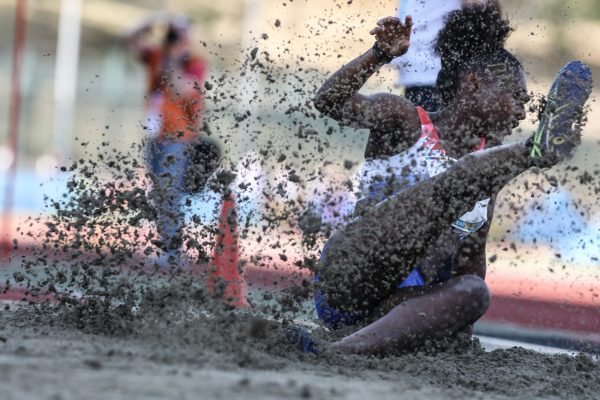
(418, 69)
(179, 158)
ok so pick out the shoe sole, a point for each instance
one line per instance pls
(559, 131)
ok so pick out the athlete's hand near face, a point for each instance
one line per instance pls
(392, 36)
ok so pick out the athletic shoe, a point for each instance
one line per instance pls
(559, 131)
(300, 337)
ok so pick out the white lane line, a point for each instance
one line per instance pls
(491, 343)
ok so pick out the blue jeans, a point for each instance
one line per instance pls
(168, 162)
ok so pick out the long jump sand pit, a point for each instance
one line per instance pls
(173, 351)
(140, 335)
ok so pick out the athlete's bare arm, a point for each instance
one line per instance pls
(470, 258)
(383, 113)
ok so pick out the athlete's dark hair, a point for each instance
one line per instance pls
(172, 35)
(472, 37)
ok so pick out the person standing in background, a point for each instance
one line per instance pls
(177, 150)
(418, 69)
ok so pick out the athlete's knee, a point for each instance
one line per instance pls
(475, 292)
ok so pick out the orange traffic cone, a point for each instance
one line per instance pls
(224, 277)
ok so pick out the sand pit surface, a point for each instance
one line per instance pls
(45, 353)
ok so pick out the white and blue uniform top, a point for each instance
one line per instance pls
(423, 160)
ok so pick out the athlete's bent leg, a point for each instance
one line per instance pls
(435, 312)
(168, 164)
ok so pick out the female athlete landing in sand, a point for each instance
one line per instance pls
(410, 267)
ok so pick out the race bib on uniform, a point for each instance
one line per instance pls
(474, 219)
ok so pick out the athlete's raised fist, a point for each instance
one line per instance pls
(392, 36)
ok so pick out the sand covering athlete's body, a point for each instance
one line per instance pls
(362, 271)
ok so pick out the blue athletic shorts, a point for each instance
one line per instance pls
(333, 318)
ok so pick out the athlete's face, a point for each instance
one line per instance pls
(181, 47)
(503, 99)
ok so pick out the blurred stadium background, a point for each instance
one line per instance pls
(544, 251)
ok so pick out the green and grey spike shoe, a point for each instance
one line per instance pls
(559, 131)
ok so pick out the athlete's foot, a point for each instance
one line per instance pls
(559, 131)
(301, 338)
